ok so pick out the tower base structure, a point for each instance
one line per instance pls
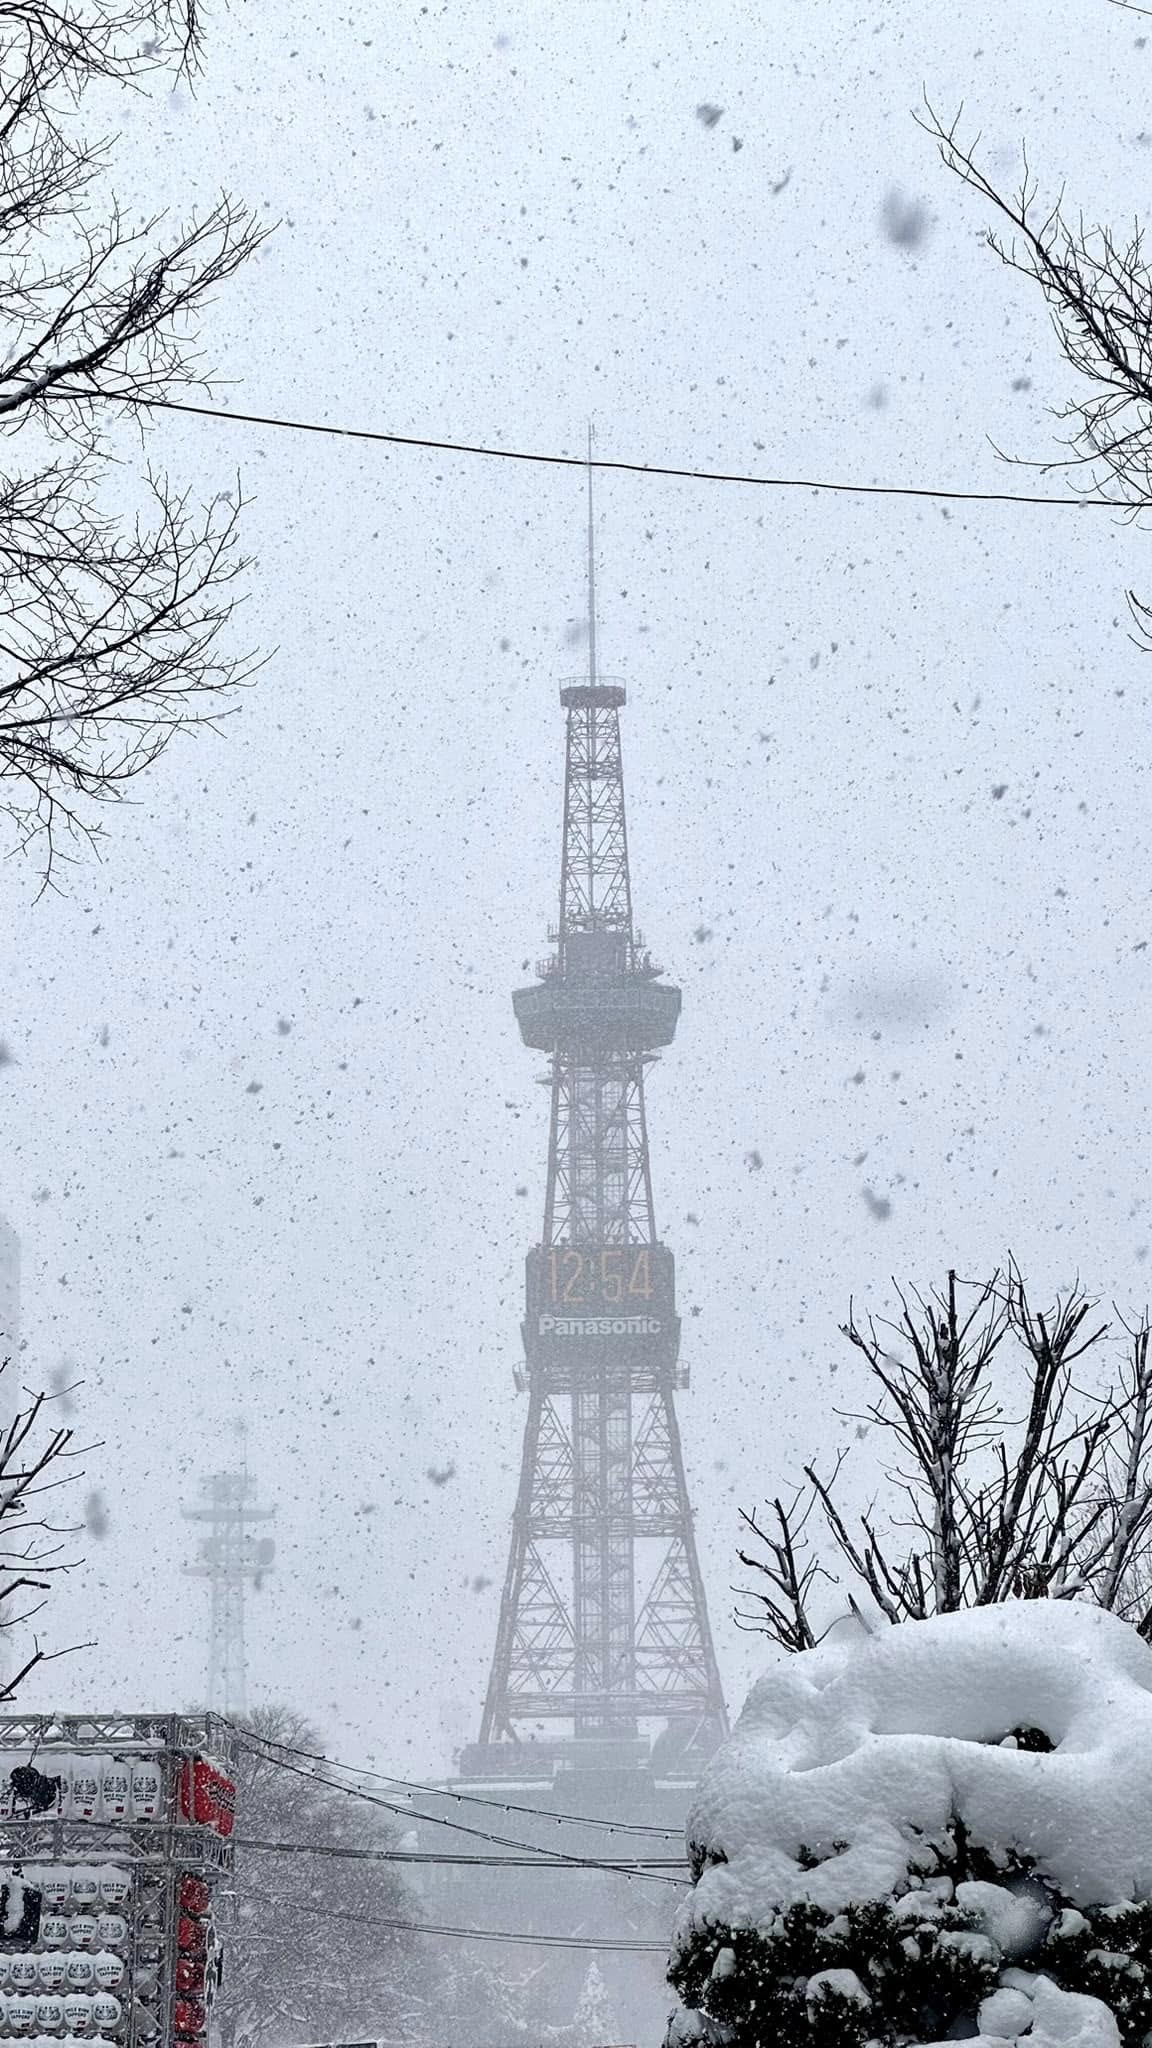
(598, 1792)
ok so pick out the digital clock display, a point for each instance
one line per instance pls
(602, 1276)
(602, 1290)
(593, 1307)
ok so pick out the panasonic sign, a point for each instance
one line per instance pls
(600, 1326)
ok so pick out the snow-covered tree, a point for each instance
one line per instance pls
(593, 2023)
(928, 1832)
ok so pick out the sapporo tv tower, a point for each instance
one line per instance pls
(604, 1667)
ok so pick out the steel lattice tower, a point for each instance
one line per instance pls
(231, 1558)
(603, 1623)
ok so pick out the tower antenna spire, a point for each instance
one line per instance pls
(592, 678)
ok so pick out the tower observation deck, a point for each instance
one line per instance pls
(604, 1659)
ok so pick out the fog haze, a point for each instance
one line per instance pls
(275, 1152)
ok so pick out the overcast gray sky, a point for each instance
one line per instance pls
(270, 1124)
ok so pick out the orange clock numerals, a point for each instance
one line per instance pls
(566, 1270)
(640, 1279)
(611, 1275)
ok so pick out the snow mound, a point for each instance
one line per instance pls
(1070, 2019)
(1016, 1920)
(1005, 2014)
(849, 1758)
(1044, 2017)
(844, 1984)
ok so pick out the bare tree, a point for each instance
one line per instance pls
(1055, 1502)
(785, 1611)
(113, 636)
(310, 1955)
(38, 1457)
(1098, 288)
(1126, 1585)
(326, 1944)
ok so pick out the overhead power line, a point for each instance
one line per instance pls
(521, 1939)
(603, 462)
(545, 1860)
(588, 1820)
(548, 1858)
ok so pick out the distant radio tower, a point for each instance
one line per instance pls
(230, 1558)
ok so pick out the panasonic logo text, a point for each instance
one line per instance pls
(600, 1326)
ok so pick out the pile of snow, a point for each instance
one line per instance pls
(1036, 2012)
(846, 1760)
(1029, 2009)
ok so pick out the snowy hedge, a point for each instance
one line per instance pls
(944, 1829)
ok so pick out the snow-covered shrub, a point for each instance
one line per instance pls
(813, 1976)
(941, 1829)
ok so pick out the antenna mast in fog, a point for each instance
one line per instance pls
(231, 1558)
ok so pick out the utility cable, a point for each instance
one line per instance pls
(545, 1860)
(470, 1798)
(601, 462)
(409, 1813)
(623, 1827)
(430, 1927)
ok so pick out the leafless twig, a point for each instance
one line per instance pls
(982, 1508)
(1098, 289)
(114, 628)
(32, 1451)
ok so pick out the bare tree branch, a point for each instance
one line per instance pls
(114, 629)
(1098, 289)
(1055, 1504)
(786, 1607)
(31, 1452)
